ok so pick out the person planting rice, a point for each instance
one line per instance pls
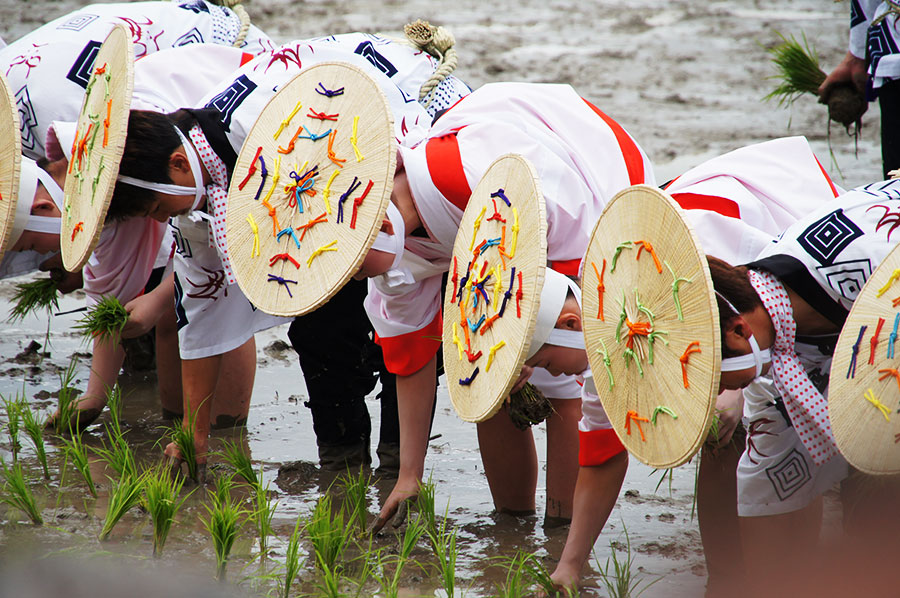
(49, 87)
(736, 203)
(582, 158)
(872, 68)
(183, 163)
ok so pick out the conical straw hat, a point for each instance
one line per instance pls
(513, 250)
(99, 144)
(10, 161)
(667, 409)
(866, 424)
(291, 264)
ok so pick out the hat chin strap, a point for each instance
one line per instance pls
(572, 339)
(395, 275)
(756, 358)
(198, 190)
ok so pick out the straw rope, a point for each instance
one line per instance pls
(438, 42)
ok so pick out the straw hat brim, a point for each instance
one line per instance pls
(483, 396)
(99, 145)
(330, 252)
(10, 163)
(668, 422)
(866, 435)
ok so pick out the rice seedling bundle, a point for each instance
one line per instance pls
(222, 523)
(618, 576)
(104, 320)
(182, 434)
(117, 454)
(443, 542)
(356, 490)
(233, 454)
(390, 582)
(31, 297)
(327, 532)
(13, 420)
(124, 494)
(34, 429)
(66, 418)
(292, 560)
(528, 406)
(162, 500)
(263, 512)
(16, 492)
(798, 71)
(76, 452)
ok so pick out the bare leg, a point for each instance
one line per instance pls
(199, 377)
(234, 387)
(562, 458)
(784, 547)
(168, 365)
(717, 513)
(510, 463)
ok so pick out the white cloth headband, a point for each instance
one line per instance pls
(755, 358)
(169, 189)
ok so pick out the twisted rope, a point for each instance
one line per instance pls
(438, 42)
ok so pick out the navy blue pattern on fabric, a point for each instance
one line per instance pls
(80, 73)
(228, 101)
(28, 121)
(826, 238)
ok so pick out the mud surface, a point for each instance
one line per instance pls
(685, 78)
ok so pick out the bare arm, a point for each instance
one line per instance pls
(595, 495)
(414, 393)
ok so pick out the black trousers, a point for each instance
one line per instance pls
(341, 364)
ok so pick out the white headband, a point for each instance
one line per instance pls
(553, 296)
(756, 358)
(392, 243)
(30, 175)
(169, 189)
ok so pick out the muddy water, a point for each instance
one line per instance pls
(685, 78)
(664, 538)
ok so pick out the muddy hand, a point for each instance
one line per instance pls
(173, 459)
(396, 506)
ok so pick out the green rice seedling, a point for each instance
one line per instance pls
(222, 523)
(76, 452)
(162, 499)
(34, 429)
(356, 491)
(444, 545)
(13, 419)
(327, 532)
(104, 320)
(292, 560)
(515, 584)
(182, 434)
(262, 514)
(535, 571)
(67, 403)
(117, 454)
(114, 403)
(329, 585)
(665, 476)
(124, 494)
(390, 583)
(31, 297)
(425, 506)
(618, 576)
(234, 455)
(798, 72)
(16, 492)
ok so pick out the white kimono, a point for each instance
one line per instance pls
(737, 204)
(214, 316)
(54, 61)
(582, 159)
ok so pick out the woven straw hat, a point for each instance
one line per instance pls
(99, 144)
(329, 131)
(667, 409)
(10, 160)
(483, 363)
(862, 405)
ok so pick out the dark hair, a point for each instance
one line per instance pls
(732, 285)
(150, 140)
